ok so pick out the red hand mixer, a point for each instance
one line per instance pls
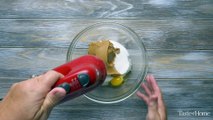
(82, 74)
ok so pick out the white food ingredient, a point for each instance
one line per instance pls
(122, 62)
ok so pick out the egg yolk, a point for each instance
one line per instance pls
(117, 81)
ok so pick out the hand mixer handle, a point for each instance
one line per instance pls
(82, 74)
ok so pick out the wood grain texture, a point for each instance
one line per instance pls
(156, 34)
(118, 112)
(117, 9)
(178, 97)
(35, 35)
(184, 95)
(23, 62)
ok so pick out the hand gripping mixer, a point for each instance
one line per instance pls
(82, 74)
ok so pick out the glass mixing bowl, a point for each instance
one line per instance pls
(137, 54)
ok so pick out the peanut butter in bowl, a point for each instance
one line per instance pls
(116, 59)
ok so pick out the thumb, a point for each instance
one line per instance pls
(53, 97)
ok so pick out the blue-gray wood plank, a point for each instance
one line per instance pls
(156, 34)
(35, 35)
(23, 62)
(115, 9)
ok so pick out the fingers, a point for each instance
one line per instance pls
(157, 97)
(153, 84)
(153, 102)
(148, 86)
(66, 87)
(143, 97)
(50, 77)
(153, 98)
(147, 90)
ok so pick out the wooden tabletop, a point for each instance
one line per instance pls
(178, 36)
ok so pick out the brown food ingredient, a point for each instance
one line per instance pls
(105, 50)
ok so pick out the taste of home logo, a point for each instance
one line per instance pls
(194, 113)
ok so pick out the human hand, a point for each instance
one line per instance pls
(32, 99)
(154, 99)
